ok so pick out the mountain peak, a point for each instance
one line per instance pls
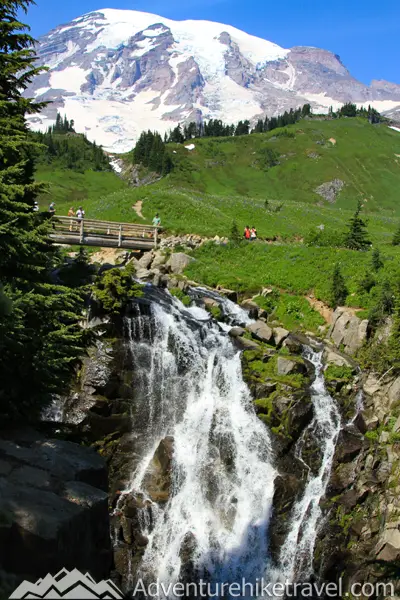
(117, 72)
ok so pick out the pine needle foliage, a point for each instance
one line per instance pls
(40, 338)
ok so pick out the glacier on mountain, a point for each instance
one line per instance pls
(118, 72)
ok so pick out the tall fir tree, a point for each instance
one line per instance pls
(357, 236)
(396, 237)
(376, 260)
(338, 288)
(40, 338)
(394, 340)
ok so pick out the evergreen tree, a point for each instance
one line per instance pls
(376, 261)
(384, 305)
(367, 282)
(348, 110)
(259, 128)
(396, 237)
(394, 340)
(357, 236)
(40, 337)
(236, 238)
(338, 288)
(306, 110)
(177, 135)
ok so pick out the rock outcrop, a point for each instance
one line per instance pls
(54, 507)
(348, 331)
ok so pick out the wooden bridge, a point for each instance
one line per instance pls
(108, 234)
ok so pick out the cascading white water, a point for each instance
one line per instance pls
(188, 385)
(296, 557)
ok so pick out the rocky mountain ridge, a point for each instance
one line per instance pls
(118, 72)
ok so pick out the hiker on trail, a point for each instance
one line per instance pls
(253, 234)
(156, 221)
(52, 209)
(35, 206)
(71, 213)
(247, 232)
(80, 213)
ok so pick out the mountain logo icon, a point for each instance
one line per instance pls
(68, 584)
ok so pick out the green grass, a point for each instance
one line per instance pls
(293, 312)
(71, 188)
(364, 157)
(294, 268)
(226, 179)
(223, 180)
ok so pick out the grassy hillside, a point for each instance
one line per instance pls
(226, 179)
(229, 179)
(360, 154)
(73, 188)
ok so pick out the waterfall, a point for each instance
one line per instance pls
(188, 386)
(296, 557)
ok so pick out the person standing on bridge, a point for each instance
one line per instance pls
(80, 213)
(52, 209)
(71, 213)
(156, 221)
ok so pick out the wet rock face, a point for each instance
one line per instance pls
(54, 507)
(157, 480)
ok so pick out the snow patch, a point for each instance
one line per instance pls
(190, 147)
(154, 32)
(41, 91)
(394, 129)
(144, 46)
(70, 79)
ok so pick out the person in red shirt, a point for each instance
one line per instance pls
(247, 232)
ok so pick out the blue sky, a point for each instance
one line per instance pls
(365, 33)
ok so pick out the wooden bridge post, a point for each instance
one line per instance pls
(120, 236)
(81, 233)
(155, 238)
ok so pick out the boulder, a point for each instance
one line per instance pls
(261, 331)
(145, 261)
(159, 260)
(388, 546)
(243, 343)
(178, 262)
(372, 385)
(287, 366)
(293, 345)
(252, 308)
(144, 274)
(237, 332)
(348, 330)
(210, 303)
(332, 357)
(280, 335)
(394, 391)
(157, 479)
(349, 445)
(54, 508)
(230, 294)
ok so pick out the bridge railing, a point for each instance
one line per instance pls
(113, 231)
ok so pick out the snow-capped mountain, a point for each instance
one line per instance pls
(117, 72)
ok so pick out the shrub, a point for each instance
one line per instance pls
(338, 289)
(115, 288)
(334, 373)
(184, 298)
